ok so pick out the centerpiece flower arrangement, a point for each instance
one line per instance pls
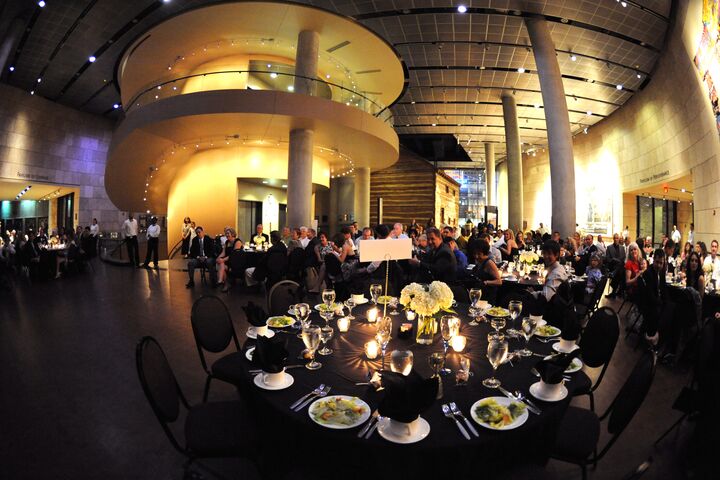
(528, 257)
(426, 301)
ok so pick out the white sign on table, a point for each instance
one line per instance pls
(388, 249)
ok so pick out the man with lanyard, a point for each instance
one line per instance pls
(130, 230)
(153, 242)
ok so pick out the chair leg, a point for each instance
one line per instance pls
(584, 471)
(595, 458)
(207, 388)
(592, 401)
(673, 427)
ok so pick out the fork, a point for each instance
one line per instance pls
(374, 418)
(526, 400)
(449, 414)
(458, 413)
(304, 404)
(317, 391)
(547, 340)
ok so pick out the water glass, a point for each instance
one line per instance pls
(375, 292)
(327, 316)
(497, 323)
(436, 361)
(394, 301)
(328, 297)
(302, 314)
(463, 373)
(529, 324)
(383, 335)
(350, 304)
(474, 294)
(401, 361)
(496, 353)
(311, 339)
(515, 307)
(326, 334)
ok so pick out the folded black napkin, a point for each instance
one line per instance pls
(551, 370)
(271, 354)
(255, 315)
(571, 325)
(406, 396)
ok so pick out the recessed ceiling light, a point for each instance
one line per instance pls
(115, 105)
(461, 9)
(291, 88)
(284, 185)
(624, 4)
(12, 69)
(265, 182)
(39, 80)
(434, 124)
(521, 70)
(32, 92)
(92, 58)
(41, 4)
(639, 76)
(537, 105)
(166, 1)
(327, 76)
(273, 75)
(589, 112)
(573, 57)
(619, 87)
(269, 65)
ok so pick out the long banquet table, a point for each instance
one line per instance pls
(444, 451)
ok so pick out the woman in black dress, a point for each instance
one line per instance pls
(486, 272)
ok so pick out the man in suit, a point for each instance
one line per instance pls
(259, 238)
(202, 252)
(440, 261)
(615, 260)
(267, 268)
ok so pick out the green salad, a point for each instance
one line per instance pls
(324, 308)
(498, 416)
(547, 331)
(338, 411)
(280, 322)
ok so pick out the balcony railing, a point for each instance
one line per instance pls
(257, 80)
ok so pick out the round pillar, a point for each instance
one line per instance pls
(490, 174)
(306, 62)
(299, 183)
(514, 162)
(562, 163)
(362, 196)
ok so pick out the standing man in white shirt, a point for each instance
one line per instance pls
(691, 234)
(676, 236)
(130, 231)
(153, 242)
(95, 236)
(713, 259)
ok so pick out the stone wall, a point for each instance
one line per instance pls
(447, 200)
(46, 142)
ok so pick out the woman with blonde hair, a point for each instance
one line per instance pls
(634, 267)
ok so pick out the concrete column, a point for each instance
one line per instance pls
(334, 210)
(9, 41)
(562, 163)
(346, 200)
(490, 174)
(362, 196)
(306, 62)
(299, 190)
(514, 161)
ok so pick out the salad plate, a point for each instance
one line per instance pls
(499, 413)
(281, 321)
(321, 307)
(339, 412)
(547, 331)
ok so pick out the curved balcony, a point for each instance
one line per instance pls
(275, 80)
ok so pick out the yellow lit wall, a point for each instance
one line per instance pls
(502, 194)
(206, 187)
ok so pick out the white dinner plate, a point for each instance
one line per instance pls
(249, 353)
(422, 431)
(557, 332)
(501, 401)
(557, 348)
(251, 333)
(361, 302)
(359, 402)
(536, 391)
(338, 306)
(269, 321)
(575, 365)
(510, 278)
(288, 380)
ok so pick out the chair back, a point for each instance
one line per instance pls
(277, 264)
(707, 369)
(598, 292)
(296, 263)
(237, 262)
(333, 267)
(212, 325)
(600, 337)
(281, 296)
(632, 394)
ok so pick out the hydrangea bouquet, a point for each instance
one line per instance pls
(426, 301)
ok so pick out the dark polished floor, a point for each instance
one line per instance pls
(71, 405)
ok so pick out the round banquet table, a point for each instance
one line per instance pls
(445, 451)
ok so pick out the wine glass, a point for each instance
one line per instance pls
(529, 324)
(327, 315)
(311, 339)
(394, 301)
(449, 327)
(375, 292)
(496, 353)
(326, 334)
(350, 303)
(515, 307)
(474, 294)
(436, 361)
(328, 298)
(497, 323)
(382, 335)
(302, 314)
(401, 361)
(463, 373)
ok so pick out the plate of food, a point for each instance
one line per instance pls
(547, 331)
(510, 278)
(574, 366)
(384, 299)
(282, 321)
(498, 312)
(321, 307)
(339, 412)
(499, 413)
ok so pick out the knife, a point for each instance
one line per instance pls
(369, 424)
(532, 408)
(372, 430)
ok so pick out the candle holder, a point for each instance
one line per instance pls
(371, 350)
(458, 343)
(372, 315)
(343, 324)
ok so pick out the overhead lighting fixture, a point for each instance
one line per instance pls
(41, 4)
(273, 75)
(284, 185)
(461, 9)
(537, 106)
(12, 69)
(32, 92)
(682, 190)
(39, 80)
(92, 59)
(619, 86)
(434, 124)
(589, 113)
(291, 88)
(624, 4)
(115, 105)
(585, 130)
(639, 76)
(521, 70)
(573, 57)
(166, 1)
(265, 182)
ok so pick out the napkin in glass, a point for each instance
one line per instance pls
(571, 325)
(256, 316)
(406, 397)
(271, 354)
(552, 369)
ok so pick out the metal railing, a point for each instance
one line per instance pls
(263, 80)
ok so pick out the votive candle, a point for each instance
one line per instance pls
(458, 343)
(410, 315)
(371, 350)
(372, 315)
(343, 324)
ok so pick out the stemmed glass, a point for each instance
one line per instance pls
(515, 307)
(302, 314)
(375, 291)
(449, 327)
(496, 353)
(497, 323)
(328, 298)
(436, 361)
(326, 334)
(311, 339)
(463, 373)
(384, 330)
(401, 361)
(394, 301)
(327, 316)
(350, 303)
(474, 294)
(529, 324)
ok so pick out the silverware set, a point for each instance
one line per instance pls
(519, 397)
(370, 426)
(452, 412)
(305, 400)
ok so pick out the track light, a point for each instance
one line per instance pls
(461, 9)
(92, 59)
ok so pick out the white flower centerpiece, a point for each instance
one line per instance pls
(426, 301)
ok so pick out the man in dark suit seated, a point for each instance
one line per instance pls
(440, 263)
(272, 266)
(582, 259)
(258, 238)
(202, 252)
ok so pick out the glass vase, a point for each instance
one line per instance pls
(426, 328)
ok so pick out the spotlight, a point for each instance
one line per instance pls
(573, 57)
(589, 113)
(291, 88)
(273, 75)
(32, 92)
(92, 59)
(639, 76)
(166, 1)
(619, 87)
(41, 4)
(115, 105)
(39, 80)
(12, 69)
(624, 4)
(461, 9)
(521, 70)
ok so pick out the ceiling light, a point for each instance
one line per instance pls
(327, 76)
(537, 106)
(39, 80)
(521, 70)
(682, 190)
(166, 1)
(92, 58)
(115, 105)
(32, 92)
(434, 124)
(265, 182)
(573, 57)
(619, 87)
(585, 130)
(461, 9)
(41, 4)
(291, 88)
(413, 102)
(589, 113)
(624, 4)
(269, 65)
(12, 69)
(639, 76)
(284, 185)
(273, 75)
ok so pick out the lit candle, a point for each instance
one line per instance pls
(371, 350)
(343, 324)
(372, 315)
(410, 315)
(458, 343)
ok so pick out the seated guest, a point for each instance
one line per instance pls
(701, 249)
(448, 232)
(304, 238)
(712, 261)
(600, 244)
(556, 273)
(460, 258)
(397, 231)
(634, 266)
(232, 244)
(647, 248)
(312, 242)
(286, 236)
(594, 274)
(367, 234)
(582, 257)
(323, 247)
(294, 241)
(41, 238)
(651, 296)
(463, 239)
(422, 246)
(266, 267)
(669, 249)
(259, 237)
(615, 257)
(439, 264)
(202, 252)
(684, 255)
(347, 234)
(520, 241)
(494, 252)
(509, 248)
(486, 271)
(694, 275)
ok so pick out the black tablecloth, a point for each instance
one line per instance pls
(252, 257)
(444, 451)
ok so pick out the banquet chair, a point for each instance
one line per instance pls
(597, 345)
(584, 311)
(213, 331)
(296, 265)
(215, 429)
(281, 296)
(579, 430)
